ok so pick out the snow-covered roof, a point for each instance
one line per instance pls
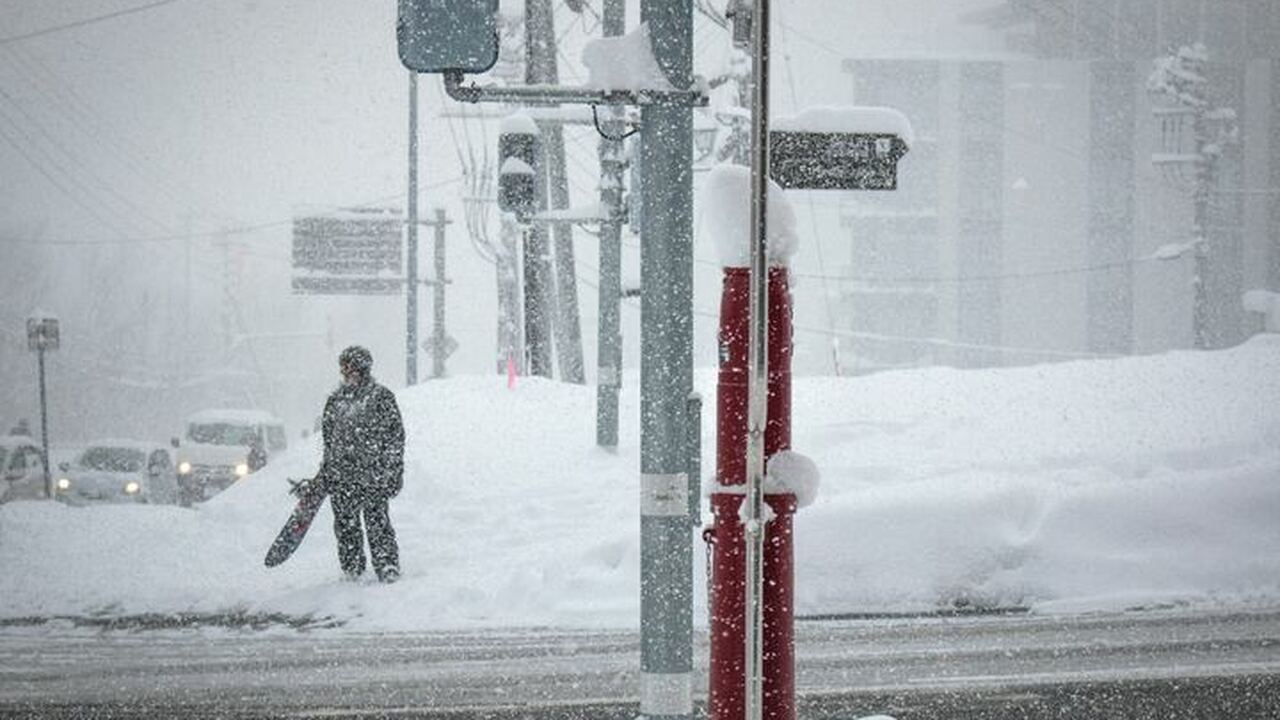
(235, 416)
(9, 441)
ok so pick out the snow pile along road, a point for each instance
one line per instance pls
(1084, 485)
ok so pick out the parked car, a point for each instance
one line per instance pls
(21, 469)
(219, 447)
(119, 471)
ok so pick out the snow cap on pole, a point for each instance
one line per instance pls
(726, 218)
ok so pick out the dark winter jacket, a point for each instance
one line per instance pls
(363, 440)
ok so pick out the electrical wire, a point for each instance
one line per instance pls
(240, 230)
(83, 116)
(81, 199)
(80, 168)
(83, 22)
(894, 339)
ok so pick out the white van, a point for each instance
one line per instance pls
(215, 449)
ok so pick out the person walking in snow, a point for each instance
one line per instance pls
(363, 466)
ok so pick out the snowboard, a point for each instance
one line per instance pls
(311, 495)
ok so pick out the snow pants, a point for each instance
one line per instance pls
(350, 507)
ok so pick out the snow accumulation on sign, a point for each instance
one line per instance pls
(839, 148)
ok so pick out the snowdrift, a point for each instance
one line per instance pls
(1093, 485)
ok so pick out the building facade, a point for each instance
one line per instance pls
(1030, 222)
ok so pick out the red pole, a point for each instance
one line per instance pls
(728, 562)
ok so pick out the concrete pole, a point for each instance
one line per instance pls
(438, 352)
(567, 326)
(411, 277)
(510, 337)
(1206, 167)
(544, 69)
(539, 43)
(612, 172)
(666, 376)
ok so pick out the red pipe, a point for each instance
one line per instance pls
(728, 566)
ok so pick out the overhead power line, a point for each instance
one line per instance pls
(83, 22)
(240, 230)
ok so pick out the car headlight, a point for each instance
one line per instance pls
(242, 469)
(64, 483)
(184, 467)
(132, 488)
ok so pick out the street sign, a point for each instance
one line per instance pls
(339, 285)
(835, 160)
(447, 346)
(436, 36)
(358, 241)
(42, 333)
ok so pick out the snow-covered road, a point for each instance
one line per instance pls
(1006, 661)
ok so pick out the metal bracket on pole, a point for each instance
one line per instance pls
(757, 369)
(694, 97)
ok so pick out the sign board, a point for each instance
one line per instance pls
(435, 36)
(349, 252)
(835, 160)
(338, 285)
(447, 346)
(42, 333)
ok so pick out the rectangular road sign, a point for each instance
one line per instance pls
(346, 285)
(835, 160)
(435, 36)
(349, 242)
(42, 333)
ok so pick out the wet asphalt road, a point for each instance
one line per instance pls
(1164, 665)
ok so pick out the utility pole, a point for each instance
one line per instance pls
(440, 349)
(43, 334)
(543, 69)
(411, 227)
(507, 269)
(666, 371)
(612, 172)
(1181, 79)
(539, 299)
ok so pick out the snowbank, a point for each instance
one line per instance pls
(1090, 485)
